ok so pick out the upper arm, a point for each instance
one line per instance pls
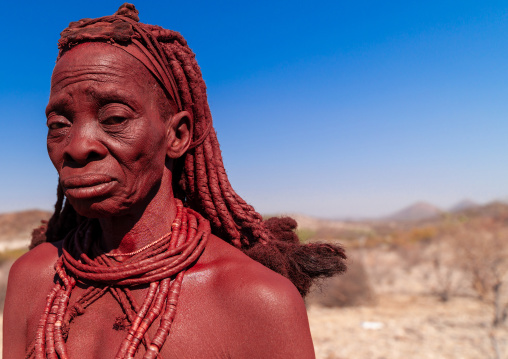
(29, 279)
(14, 315)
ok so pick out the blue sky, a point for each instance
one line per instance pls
(321, 107)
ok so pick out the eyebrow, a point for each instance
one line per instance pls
(53, 103)
(120, 95)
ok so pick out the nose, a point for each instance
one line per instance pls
(84, 145)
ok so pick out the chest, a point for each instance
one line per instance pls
(200, 328)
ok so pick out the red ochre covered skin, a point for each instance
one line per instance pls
(123, 269)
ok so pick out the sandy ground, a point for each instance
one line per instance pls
(405, 326)
(407, 321)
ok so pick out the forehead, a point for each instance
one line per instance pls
(99, 62)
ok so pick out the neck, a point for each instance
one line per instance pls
(128, 233)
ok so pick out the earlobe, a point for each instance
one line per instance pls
(179, 134)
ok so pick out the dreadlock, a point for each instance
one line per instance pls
(199, 177)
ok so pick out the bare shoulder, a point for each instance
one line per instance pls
(30, 280)
(236, 274)
(263, 306)
(35, 264)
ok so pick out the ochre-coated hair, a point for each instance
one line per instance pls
(200, 180)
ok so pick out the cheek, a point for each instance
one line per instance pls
(146, 159)
(151, 165)
(54, 155)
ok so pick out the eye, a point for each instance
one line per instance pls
(114, 114)
(113, 120)
(57, 122)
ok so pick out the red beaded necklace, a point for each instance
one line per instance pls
(161, 264)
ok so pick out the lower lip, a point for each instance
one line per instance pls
(90, 191)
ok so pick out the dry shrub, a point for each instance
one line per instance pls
(448, 277)
(411, 255)
(483, 252)
(350, 289)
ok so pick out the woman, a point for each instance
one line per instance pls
(150, 253)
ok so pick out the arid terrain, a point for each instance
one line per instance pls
(426, 288)
(407, 320)
(405, 326)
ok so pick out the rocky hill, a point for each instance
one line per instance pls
(17, 226)
(416, 212)
(464, 205)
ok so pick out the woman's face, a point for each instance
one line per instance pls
(107, 137)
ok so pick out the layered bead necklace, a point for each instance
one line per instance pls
(161, 264)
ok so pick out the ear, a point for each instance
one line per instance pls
(179, 134)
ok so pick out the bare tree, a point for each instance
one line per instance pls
(447, 274)
(484, 253)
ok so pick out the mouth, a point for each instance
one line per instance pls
(87, 186)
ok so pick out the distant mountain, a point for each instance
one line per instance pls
(503, 200)
(19, 225)
(464, 205)
(416, 212)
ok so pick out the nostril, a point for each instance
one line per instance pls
(93, 156)
(68, 158)
(82, 159)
